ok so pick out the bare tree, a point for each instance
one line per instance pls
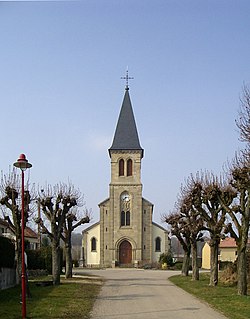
(10, 189)
(206, 202)
(56, 203)
(239, 213)
(195, 224)
(243, 121)
(72, 221)
(240, 175)
(180, 229)
(190, 221)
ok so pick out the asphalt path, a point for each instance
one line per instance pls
(136, 293)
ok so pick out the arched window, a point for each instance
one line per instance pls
(127, 218)
(157, 244)
(93, 244)
(121, 167)
(129, 167)
(123, 219)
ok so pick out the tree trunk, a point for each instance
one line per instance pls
(214, 250)
(242, 273)
(195, 268)
(242, 262)
(242, 256)
(185, 264)
(68, 259)
(56, 262)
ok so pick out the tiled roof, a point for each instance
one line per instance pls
(28, 232)
(228, 243)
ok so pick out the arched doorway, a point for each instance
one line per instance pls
(125, 253)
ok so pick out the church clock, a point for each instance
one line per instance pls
(125, 197)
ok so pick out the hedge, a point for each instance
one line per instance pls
(41, 259)
(7, 253)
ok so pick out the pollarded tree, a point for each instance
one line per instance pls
(10, 189)
(180, 229)
(206, 202)
(194, 223)
(73, 220)
(190, 221)
(56, 203)
(239, 213)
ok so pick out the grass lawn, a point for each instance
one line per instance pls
(223, 297)
(69, 300)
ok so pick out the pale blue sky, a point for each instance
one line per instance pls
(61, 92)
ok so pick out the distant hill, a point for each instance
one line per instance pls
(76, 239)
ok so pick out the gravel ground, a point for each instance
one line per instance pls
(147, 294)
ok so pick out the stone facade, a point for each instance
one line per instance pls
(125, 234)
(112, 231)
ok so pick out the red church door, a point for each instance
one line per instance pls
(125, 253)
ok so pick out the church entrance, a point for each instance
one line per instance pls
(125, 253)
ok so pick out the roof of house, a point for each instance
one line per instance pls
(228, 242)
(8, 224)
(28, 232)
(126, 135)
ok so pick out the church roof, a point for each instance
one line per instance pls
(126, 135)
(161, 227)
(147, 201)
(90, 227)
(104, 201)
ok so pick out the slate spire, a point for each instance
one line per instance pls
(126, 135)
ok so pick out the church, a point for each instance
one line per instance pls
(126, 234)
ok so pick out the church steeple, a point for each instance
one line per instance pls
(126, 135)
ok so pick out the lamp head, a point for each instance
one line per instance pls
(22, 163)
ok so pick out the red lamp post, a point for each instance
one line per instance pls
(23, 164)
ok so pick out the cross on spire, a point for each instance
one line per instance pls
(127, 77)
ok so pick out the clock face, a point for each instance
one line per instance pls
(125, 197)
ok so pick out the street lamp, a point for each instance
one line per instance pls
(23, 164)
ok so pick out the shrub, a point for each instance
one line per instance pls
(35, 259)
(229, 274)
(224, 264)
(37, 273)
(178, 265)
(166, 258)
(47, 256)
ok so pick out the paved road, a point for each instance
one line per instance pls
(136, 294)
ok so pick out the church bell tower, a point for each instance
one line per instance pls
(125, 217)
